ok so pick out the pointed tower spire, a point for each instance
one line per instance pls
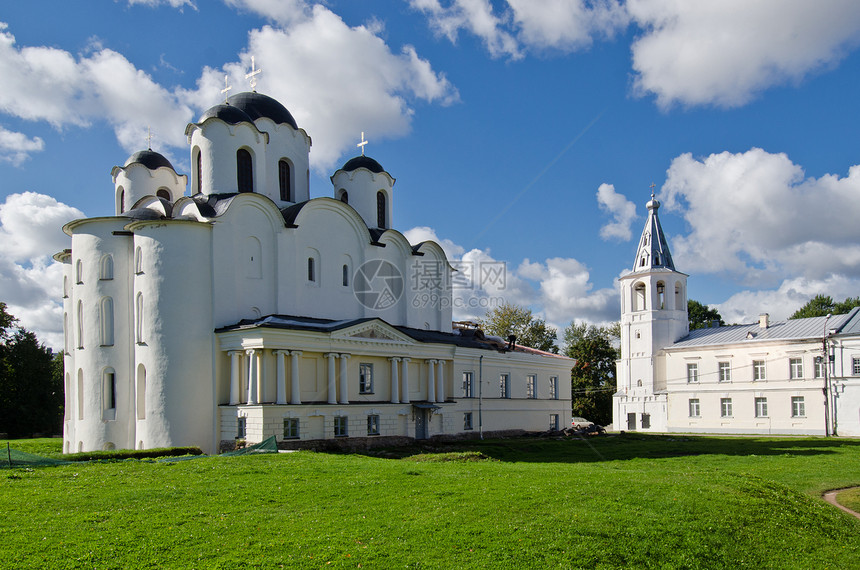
(653, 249)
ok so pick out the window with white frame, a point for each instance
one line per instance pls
(365, 378)
(553, 422)
(504, 385)
(855, 366)
(692, 372)
(818, 369)
(695, 410)
(758, 370)
(798, 407)
(553, 387)
(725, 407)
(373, 424)
(725, 369)
(106, 267)
(795, 366)
(240, 427)
(467, 420)
(646, 420)
(291, 428)
(138, 261)
(109, 390)
(467, 384)
(79, 272)
(531, 386)
(341, 426)
(761, 407)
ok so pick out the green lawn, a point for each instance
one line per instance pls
(612, 502)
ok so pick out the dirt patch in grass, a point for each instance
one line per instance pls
(450, 457)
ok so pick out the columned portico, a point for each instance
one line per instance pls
(332, 379)
(405, 379)
(235, 376)
(395, 381)
(295, 385)
(440, 380)
(431, 380)
(344, 379)
(281, 371)
(253, 375)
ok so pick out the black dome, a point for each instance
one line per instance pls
(363, 162)
(256, 105)
(150, 159)
(227, 113)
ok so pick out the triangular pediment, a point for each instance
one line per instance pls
(373, 331)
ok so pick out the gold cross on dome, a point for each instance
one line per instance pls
(226, 89)
(252, 75)
(149, 138)
(362, 144)
(652, 189)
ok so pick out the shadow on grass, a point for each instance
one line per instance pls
(614, 447)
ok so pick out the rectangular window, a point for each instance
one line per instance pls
(531, 386)
(553, 387)
(365, 378)
(553, 422)
(240, 430)
(855, 366)
(467, 420)
(692, 372)
(725, 407)
(504, 386)
(818, 370)
(761, 407)
(372, 424)
(646, 421)
(758, 370)
(467, 384)
(291, 428)
(798, 407)
(795, 366)
(341, 426)
(694, 408)
(725, 371)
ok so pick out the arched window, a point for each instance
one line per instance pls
(141, 392)
(163, 193)
(121, 201)
(79, 272)
(284, 180)
(106, 321)
(138, 261)
(244, 171)
(65, 286)
(139, 319)
(80, 324)
(679, 297)
(639, 297)
(311, 270)
(344, 196)
(199, 171)
(106, 267)
(345, 275)
(381, 208)
(80, 393)
(661, 295)
(109, 391)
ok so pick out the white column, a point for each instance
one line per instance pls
(332, 381)
(395, 381)
(344, 380)
(262, 374)
(405, 379)
(295, 385)
(431, 380)
(440, 381)
(252, 376)
(281, 365)
(235, 376)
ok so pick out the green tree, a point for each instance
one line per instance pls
(593, 377)
(822, 305)
(31, 386)
(509, 319)
(701, 316)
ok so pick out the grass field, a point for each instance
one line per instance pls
(630, 501)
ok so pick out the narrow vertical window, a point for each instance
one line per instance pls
(244, 171)
(284, 180)
(80, 324)
(725, 371)
(139, 318)
(240, 428)
(504, 386)
(725, 407)
(199, 172)
(795, 366)
(798, 407)
(106, 268)
(467, 384)
(345, 275)
(553, 387)
(311, 270)
(106, 321)
(344, 197)
(365, 378)
(80, 394)
(381, 209)
(531, 386)
(692, 372)
(695, 411)
(79, 272)
(761, 407)
(109, 391)
(138, 261)
(373, 424)
(467, 421)
(121, 200)
(341, 426)
(553, 422)
(65, 286)
(758, 370)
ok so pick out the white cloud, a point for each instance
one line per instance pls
(30, 281)
(425, 233)
(283, 12)
(754, 215)
(567, 294)
(622, 210)
(474, 16)
(171, 3)
(566, 25)
(724, 52)
(16, 147)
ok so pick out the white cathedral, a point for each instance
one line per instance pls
(800, 376)
(245, 309)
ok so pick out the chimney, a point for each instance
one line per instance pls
(763, 320)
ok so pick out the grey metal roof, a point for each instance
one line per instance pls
(792, 329)
(653, 251)
(852, 326)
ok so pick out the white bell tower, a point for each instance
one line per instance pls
(653, 316)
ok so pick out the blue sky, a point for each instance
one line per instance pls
(522, 131)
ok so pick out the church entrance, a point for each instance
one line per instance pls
(631, 422)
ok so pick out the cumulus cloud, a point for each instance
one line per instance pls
(724, 52)
(567, 294)
(474, 16)
(171, 3)
(622, 210)
(30, 281)
(17, 147)
(283, 12)
(756, 216)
